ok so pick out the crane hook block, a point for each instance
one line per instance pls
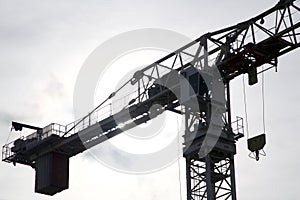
(256, 144)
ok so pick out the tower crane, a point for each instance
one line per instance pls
(195, 78)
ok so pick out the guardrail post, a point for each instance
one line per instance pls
(89, 119)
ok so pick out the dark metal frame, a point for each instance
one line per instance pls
(234, 50)
(210, 180)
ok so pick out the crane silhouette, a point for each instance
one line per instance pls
(195, 78)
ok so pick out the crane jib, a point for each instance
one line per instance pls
(239, 49)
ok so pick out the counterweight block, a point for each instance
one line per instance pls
(52, 173)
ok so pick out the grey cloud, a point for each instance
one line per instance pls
(40, 38)
(54, 87)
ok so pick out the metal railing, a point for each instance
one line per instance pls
(51, 129)
(90, 119)
(71, 128)
(7, 153)
(238, 126)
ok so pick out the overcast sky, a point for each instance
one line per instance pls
(43, 44)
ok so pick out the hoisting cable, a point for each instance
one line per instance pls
(245, 107)
(256, 144)
(178, 159)
(263, 153)
(263, 100)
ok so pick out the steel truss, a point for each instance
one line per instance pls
(235, 50)
(210, 178)
(209, 175)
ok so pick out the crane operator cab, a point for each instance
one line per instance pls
(186, 86)
(190, 87)
(195, 83)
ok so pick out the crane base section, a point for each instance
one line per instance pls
(52, 173)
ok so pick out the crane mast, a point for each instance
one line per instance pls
(193, 81)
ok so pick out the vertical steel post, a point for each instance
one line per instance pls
(188, 178)
(228, 106)
(208, 174)
(232, 178)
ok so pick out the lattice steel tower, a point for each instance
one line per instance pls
(208, 64)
